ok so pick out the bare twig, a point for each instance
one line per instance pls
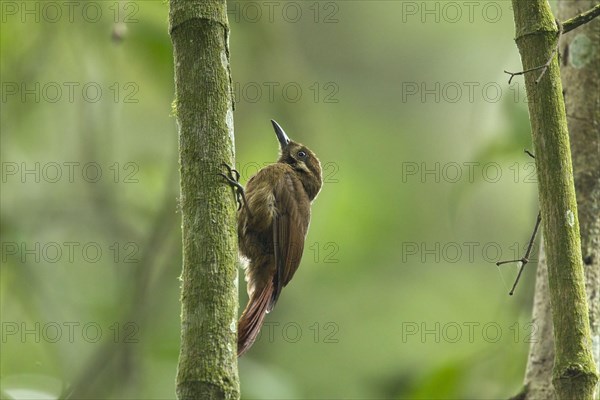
(525, 259)
(513, 74)
(530, 154)
(544, 67)
(563, 27)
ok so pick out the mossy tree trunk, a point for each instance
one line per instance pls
(208, 359)
(574, 374)
(580, 70)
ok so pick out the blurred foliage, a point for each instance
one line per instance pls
(398, 295)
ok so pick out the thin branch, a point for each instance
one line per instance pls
(544, 67)
(581, 19)
(563, 27)
(513, 74)
(530, 154)
(525, 259)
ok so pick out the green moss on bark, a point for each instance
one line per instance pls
(574, 370)
(208, 360)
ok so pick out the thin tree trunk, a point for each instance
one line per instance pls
(208, 359)
(580, 72)
(574, 374)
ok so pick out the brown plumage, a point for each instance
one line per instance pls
(272, 225)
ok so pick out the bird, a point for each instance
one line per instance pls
(273, 219)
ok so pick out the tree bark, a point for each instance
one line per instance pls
(574, 375)
(581, 82)
(580, 70)
(538, 375)
(204, 109)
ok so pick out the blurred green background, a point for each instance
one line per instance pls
(426, 186)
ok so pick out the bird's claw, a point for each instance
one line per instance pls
(233, 177)
(231, 171)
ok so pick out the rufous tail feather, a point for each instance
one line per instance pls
(253, 316)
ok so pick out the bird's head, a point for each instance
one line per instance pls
(302, 159)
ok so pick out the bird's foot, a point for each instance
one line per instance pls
(232, 178)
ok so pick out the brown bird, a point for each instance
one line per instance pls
(272, 225)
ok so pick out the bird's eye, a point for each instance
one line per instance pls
(301, 154)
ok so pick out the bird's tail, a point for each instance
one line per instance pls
(253, 316)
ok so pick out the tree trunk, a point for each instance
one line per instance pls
(581, 81)
(208, 359)
(580, 70)
(574, 375)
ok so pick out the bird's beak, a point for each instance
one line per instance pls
(284, 140)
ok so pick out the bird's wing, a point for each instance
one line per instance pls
(289, 230)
